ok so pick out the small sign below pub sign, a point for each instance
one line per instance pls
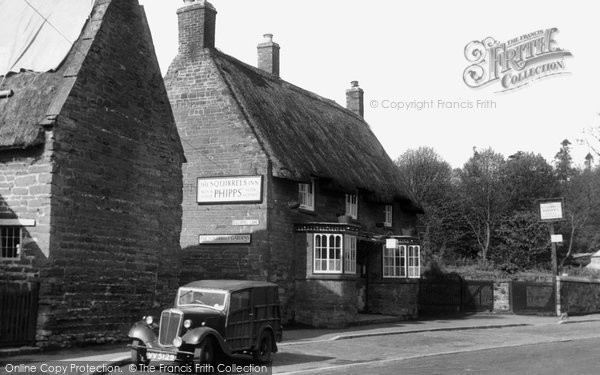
(237, 189)
(210, 239)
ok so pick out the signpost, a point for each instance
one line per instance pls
(551, 211)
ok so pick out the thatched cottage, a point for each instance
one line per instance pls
(284, 185)
(90, 173)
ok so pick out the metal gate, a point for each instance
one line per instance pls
(18, 313)
(453, 296)
(533, 297)
(477, 296)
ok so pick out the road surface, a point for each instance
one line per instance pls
(531, 350)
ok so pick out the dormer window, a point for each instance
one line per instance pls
(352, 205)
(306, 195)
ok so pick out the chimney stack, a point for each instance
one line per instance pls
(354, 99)
(268, 55)
(197, 20)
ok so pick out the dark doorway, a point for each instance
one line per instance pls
(18, 313)
(362, 269)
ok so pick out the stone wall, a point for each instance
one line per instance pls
(25, 177)
(577, 296)
(502, 302)
(116, 187)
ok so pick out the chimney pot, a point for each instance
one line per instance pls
(355, 99)
(268, 55)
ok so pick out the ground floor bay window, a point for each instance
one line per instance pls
(331, 249)
(334, 253)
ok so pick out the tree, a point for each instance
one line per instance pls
(424, 174)
(589, 161)
(563, 162)
(522, 243)
(482, 195)
(582, 212)
(528, 177)
(427, 177)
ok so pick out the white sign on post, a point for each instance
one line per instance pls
(551, 211)
(556, 238)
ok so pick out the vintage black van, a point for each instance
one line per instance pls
(212, 318)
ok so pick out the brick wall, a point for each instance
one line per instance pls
(394, 297)
(217, 142)
(326, 303)
(116, 188)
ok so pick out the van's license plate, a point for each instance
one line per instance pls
(161, 356)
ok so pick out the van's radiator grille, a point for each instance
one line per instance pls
(170, 324)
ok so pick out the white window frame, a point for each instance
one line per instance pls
(12, 247)
(394, 262)
(331, 258)
(414, 261)
(389, 211)
(403, 261)
(350, 254)
(352, 205)
(306, 195)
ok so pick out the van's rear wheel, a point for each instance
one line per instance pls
(262, 354)
(204, 354)
(138, 354)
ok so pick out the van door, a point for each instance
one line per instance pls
(240, 322)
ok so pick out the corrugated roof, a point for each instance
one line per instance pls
(308, 136)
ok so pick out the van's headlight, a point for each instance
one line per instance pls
(149, 320)
(187, 323)
(177, 341)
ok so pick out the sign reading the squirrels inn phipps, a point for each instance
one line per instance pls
(238, 189)
(515, 63)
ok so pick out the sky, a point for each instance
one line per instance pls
(403, 52)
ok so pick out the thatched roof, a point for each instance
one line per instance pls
(307, 136)
(22, 113)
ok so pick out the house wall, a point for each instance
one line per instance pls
(25, 177)
(331, 300)
(218, 142)
(116, 187)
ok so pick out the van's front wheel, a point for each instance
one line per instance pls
(138, 354)
(204, 354)
(262, 354)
